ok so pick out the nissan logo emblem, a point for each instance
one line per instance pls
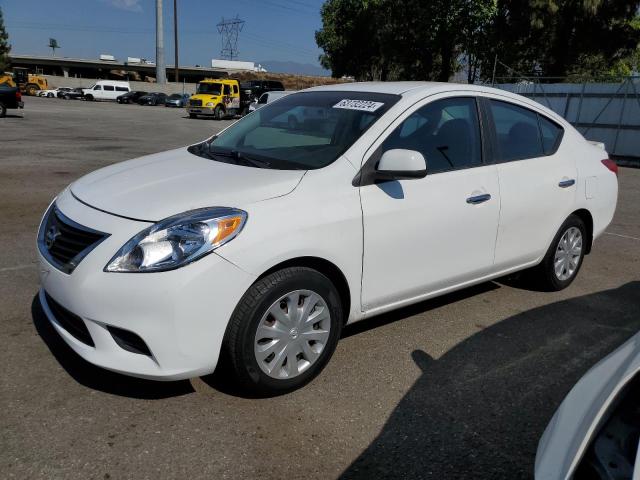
(50, 237)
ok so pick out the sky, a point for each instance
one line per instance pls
(281, 30)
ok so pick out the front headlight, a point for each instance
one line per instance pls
(210, 104)
(178, 240)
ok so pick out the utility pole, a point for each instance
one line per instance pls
(161, 71)
(175, 37)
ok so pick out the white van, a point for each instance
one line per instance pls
(106, 90)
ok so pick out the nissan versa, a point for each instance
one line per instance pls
(259, 244)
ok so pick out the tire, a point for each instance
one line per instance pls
(545, 275)
(218, 113)
(50, 95)
(88, 98)
(3, 111)
(241, 344)
(31, 89)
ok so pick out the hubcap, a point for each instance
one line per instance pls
(292, 334)
(568, 254)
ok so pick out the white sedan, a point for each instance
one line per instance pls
(259, 244)
(52, 93)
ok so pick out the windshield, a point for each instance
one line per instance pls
(302, 131)
(210, 88)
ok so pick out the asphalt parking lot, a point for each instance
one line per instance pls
(457, 387)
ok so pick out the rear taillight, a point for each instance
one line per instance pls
(18, 96)
(611, 165)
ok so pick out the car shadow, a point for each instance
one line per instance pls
(480, 409)
(98, 378)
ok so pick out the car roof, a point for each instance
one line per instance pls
(417, 90)
(409, 88)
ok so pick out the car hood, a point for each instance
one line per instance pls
(157, 186)
(576, 421)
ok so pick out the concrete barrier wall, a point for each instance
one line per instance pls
(55, 82)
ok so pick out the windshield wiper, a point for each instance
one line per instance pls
(241, 157)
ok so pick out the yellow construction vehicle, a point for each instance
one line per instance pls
(29, 83)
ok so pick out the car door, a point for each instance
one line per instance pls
(537, 181)
(425, 235)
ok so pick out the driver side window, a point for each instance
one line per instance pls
(446, 132)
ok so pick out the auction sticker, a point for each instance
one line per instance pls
(363, 105)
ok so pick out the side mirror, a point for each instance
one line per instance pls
(400, 164)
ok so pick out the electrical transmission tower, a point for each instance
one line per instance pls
(229, 30)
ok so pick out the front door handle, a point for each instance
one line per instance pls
(567, 183)
(476, 199)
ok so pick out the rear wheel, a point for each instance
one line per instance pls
(3, 110)
(283, 331)
(50, 95)
(563, 260)
(31, 89)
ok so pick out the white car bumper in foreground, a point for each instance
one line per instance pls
(583, 412)
(180, 316)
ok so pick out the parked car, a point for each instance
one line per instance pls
(75, 94)
(10, 98)
(52, 92)
(154, 98)
(177, 100)
(595, 432)
(268, 97)
(130, 97)
(252, 90)
(106, 90)
(261, 242)
(62, 91)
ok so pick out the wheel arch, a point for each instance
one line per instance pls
(587, 218)
(327, 268)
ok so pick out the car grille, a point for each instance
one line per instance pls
(63, 242)
(195, 103)
(71, 322)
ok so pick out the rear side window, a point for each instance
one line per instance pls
(235, 89)
(517, 131)
(446, 132)
(227, 90)
(122, 89)
(551, 135)
(109, 88)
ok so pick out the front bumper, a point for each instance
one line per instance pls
(201, 110)
(181, 315)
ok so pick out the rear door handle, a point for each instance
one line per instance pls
(567, 183)
(476, 199)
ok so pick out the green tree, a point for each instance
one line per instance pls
(5, 48)
(389, 40)
(562, 38)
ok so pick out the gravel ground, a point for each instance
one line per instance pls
(457, 387)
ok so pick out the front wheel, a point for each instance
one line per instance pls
(284, 331)
(3, 110)
(218, 113)
(563, 260)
